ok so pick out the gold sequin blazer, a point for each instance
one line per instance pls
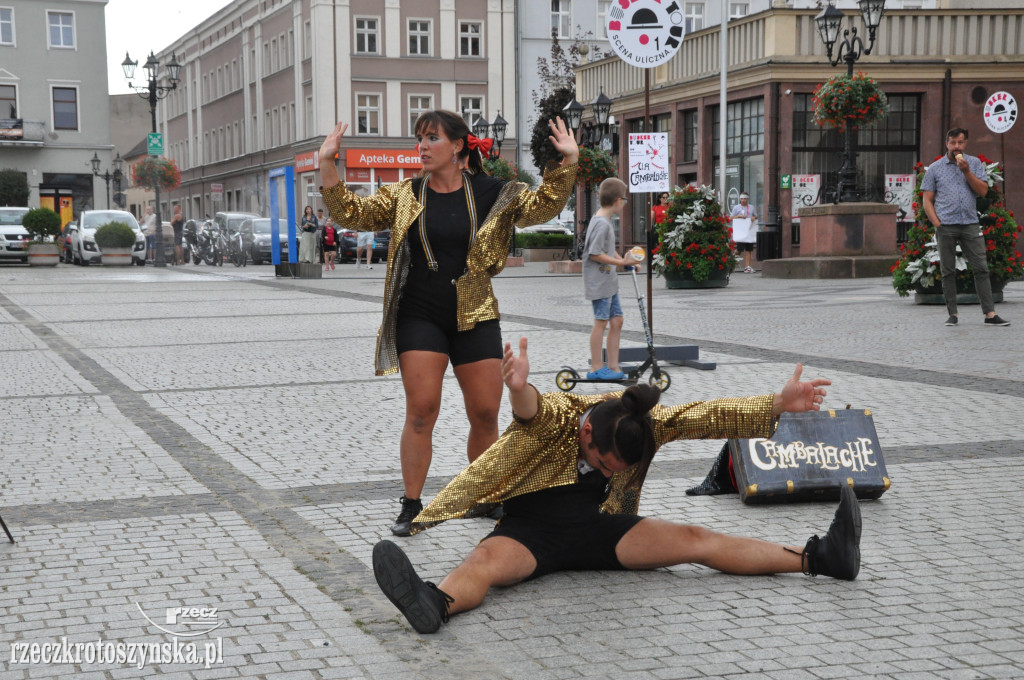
(541, 453)
(395, 207)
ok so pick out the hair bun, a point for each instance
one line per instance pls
(639, 399)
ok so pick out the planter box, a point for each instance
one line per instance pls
(43, 254)
(116, 257)
(544, 254)
(932, 295)
(718, 278)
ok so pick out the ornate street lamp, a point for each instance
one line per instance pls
(480, 127)
(153, 92)
(573, 113)
(498, 127)
(830, 21)
(107, 175)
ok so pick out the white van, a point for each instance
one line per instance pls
(13, 237)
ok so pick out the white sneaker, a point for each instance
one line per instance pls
(748, 270)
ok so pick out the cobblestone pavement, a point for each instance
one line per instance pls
(208, 438)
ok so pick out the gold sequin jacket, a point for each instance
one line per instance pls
(395, 207)
(541, 453)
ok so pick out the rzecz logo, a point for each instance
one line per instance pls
(645, 33)
(186, 621)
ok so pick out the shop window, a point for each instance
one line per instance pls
(887, 146)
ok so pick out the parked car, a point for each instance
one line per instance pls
(256, 233)
(83, 235)
(552, 226)
(13, 237)
(232, 220)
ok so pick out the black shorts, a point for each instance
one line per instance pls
(483, 341)
(574, 546)
(331, 249)
(744, 247)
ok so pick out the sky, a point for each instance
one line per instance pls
(143, 26)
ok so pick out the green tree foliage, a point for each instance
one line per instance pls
(13, 188)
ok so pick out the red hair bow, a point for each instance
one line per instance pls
(482, 145)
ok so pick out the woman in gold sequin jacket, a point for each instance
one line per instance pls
(450, 232)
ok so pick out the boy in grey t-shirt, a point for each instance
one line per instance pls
(601, 283)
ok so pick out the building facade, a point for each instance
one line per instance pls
(54, 112)
(938, 68)
(263, 82)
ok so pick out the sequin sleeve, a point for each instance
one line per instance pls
(536, 207)
(372, 213)
(718, 419)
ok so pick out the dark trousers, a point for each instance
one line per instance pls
(972, 244)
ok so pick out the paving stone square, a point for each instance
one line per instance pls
(196, 437)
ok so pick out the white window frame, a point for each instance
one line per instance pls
(14, 36)
(478, 113)
(603, 6)
(74, 39)
(735, 7)
(275, 56)
(471, 37)
(561, 18)
(360, 109)
(307, 39)
(78, 107)
(694, 13)
(366, 33)
(17, 104)
(420, 34)
(414, 112)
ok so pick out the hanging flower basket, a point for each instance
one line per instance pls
(154, 173)
(695, 240)
(917, 270)
(849, 100)
(595, 166)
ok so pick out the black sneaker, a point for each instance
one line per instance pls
(838, 553)
(951, 321)
(996, 321)
(410, 508)
(422, 603)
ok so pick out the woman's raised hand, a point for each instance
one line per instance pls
(332, 144)
(515, 370)
(563, 140)
(328, 150)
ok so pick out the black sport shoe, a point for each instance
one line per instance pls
(422, 603)
(996, 321)
(838, 553)
(951, 321)
(410, 508)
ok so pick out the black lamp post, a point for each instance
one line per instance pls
(107, 175)
(152, 92)
(850, 50)
(602, 107)
(497, 128)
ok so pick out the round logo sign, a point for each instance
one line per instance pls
(645, 33)
(1000, 112)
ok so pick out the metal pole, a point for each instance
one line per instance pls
(106, 178)
(647, 207)
(723, 107)
(158, 257)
